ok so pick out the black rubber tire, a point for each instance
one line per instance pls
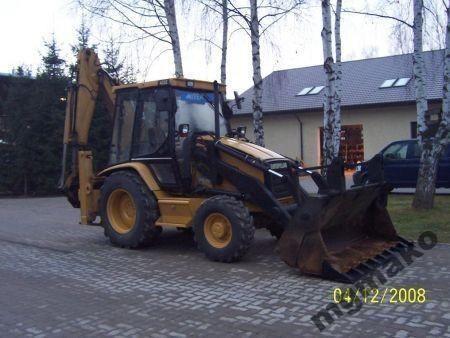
(144, 231)
(242, 227)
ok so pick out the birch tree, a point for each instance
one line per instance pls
(257, 77)
(431, 142)
(223, 60)
(338, 94)
(169, 10)
(432, 135)
(257, 18)
(333, 71)
(217, 8)
(146, 19)
(400, 13)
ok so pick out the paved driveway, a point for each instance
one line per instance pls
(58, 278)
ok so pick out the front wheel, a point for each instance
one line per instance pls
(223, 228)
(128, 211)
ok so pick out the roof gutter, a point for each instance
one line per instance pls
(351, 107)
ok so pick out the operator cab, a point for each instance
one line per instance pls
(155, 125)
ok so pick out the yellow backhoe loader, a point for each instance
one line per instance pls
(174, 161)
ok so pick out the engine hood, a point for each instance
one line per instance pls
(251, 149)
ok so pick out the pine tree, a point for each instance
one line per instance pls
(115, 65)
(83, 41)
(83, 36)
(31, 153)
(52, 63)
(22, 71)
(16, 145)
(47, 121)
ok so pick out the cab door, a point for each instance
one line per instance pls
(124, 116)
(153, 138)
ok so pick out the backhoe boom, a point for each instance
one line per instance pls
(92, 83)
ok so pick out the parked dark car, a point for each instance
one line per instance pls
(401, 165)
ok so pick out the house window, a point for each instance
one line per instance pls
(352, 143)
(413, 128)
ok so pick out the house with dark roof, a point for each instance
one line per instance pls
(378, 106)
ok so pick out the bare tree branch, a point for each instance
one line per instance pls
(382, 16)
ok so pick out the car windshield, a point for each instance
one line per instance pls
(197, 110)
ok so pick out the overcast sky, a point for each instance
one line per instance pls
(293, 43)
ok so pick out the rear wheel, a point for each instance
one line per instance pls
(223, 228)
(128, 211)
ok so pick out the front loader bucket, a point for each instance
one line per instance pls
(342, 235)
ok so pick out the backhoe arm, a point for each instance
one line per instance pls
(91, 83)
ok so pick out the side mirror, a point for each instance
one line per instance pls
(183, 130)
(238, 100)
(226, 110)
(241, 131)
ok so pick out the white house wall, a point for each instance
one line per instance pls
(380, 127)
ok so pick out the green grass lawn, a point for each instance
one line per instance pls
(411, 223)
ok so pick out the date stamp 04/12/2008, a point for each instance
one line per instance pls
(379, 296)
(369, 290)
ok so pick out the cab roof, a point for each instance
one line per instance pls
(174, 82)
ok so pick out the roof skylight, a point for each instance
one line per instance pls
(304, 91)
(388, 83)
(310, 90)
(402, 82)
(398, 82)
(316, 90)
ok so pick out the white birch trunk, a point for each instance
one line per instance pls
(431, 142)
(338, 94)
(223, 63)
(169, 9)
(257, 78)
(445, 123)
(330, 89)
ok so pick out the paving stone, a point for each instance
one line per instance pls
(62, 279)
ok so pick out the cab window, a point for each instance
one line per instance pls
(123, 127)
(396, 151)
(197, 110)
(152, 128)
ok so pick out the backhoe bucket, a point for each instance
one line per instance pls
(342, 235)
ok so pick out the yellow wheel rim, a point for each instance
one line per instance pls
(121, 211)
(217, 230)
